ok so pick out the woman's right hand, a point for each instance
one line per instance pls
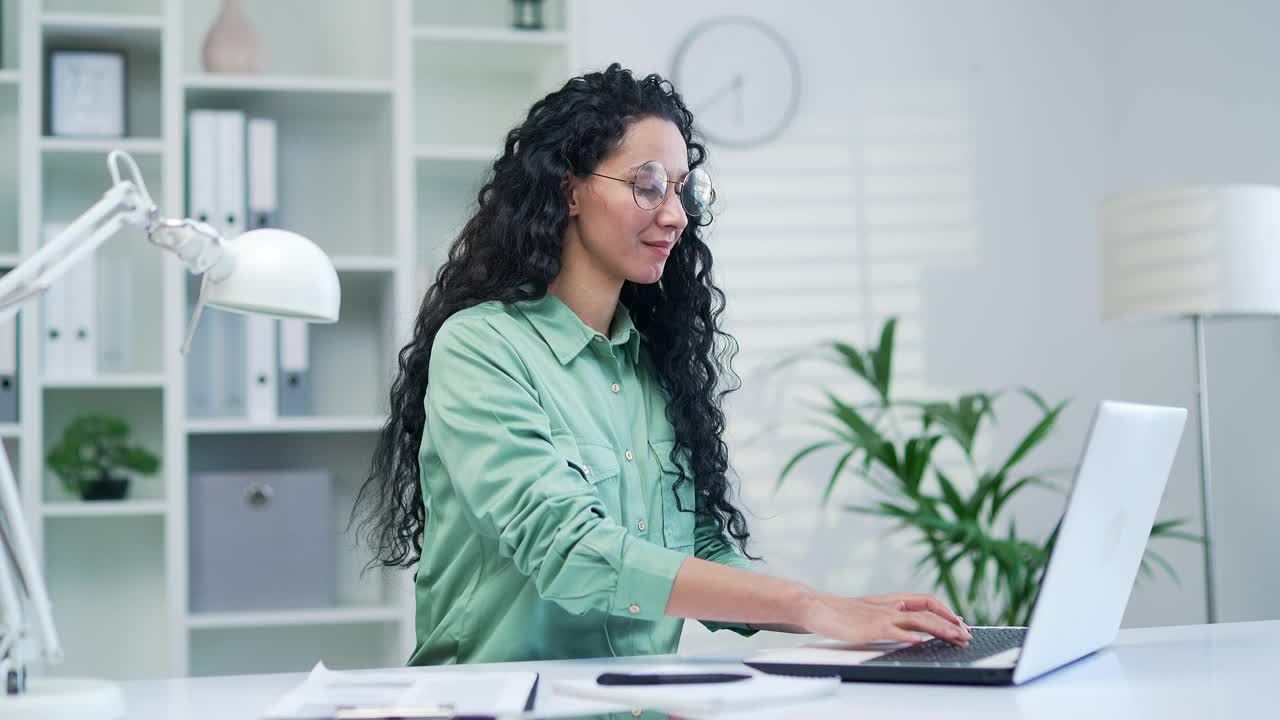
(897, 617)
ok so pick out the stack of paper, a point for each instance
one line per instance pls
(702, 699)
(329, 694)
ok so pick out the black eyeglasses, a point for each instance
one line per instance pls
(649, 188)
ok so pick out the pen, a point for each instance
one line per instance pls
(668, 679)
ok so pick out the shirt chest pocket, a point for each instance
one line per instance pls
(677, 519)
(597, 463)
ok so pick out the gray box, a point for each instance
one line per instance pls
(262, 540)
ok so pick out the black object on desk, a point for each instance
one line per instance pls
(668, 678)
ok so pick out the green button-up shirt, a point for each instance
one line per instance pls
(552, 530)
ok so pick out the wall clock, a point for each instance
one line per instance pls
(740, 78)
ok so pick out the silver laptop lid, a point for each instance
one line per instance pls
(1104, 533)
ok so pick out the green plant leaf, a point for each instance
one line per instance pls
(853, 360)
(1033, 438)
(786, 470)
(835, 475)
(952, 497)
(1163, 563)
(882, 359)
(916, 458)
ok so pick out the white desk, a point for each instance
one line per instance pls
(1201, 671)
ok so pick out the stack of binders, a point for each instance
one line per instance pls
(251, 367)
(70, 314)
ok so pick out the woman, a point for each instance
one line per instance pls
(554, 460)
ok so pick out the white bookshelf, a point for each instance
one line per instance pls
(389, 115)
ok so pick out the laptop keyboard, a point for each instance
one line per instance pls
(985, 643)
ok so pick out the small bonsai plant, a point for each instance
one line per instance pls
(92, 453)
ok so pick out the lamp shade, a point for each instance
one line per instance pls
(279, 274)
(1192, 251)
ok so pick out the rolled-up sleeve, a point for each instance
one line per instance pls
(494, 440)
(709, 544)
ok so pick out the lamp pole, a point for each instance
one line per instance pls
(1206, 469)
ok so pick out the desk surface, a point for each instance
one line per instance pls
(1199, 671)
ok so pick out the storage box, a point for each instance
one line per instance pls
(262, 540)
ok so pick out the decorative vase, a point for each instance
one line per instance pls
(231, 45)
(106, 488)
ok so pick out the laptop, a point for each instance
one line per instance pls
(1104, 533)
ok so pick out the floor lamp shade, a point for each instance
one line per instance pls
(1192, 251)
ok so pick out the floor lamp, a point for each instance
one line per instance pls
(1195, 252)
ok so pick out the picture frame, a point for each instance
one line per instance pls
(85, 93)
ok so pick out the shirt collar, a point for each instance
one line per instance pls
(566, 334)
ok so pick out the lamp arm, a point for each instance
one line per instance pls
(200, 246)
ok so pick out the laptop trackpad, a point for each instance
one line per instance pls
(1006, 659)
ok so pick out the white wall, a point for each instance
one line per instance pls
(1043, 107)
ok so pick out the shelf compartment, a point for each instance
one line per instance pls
(346, 458)
(351, 364)
(139, 38)
(106, 578)
(323, 38)
(446, 197)
(472, 91)
(143, 409)
(333, 155)
(130, 273)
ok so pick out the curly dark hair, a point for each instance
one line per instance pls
(515, 238)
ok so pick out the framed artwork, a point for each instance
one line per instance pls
(86, 93)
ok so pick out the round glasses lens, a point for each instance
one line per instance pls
(697, 194)
(650, 185)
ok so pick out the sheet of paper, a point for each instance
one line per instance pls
(325, 691)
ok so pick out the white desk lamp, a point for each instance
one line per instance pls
(265, 272)
(1198, 252)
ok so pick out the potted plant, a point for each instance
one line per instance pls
(984, 567)
(91, 456)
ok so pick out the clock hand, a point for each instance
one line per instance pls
(734, 85)
(738, 96)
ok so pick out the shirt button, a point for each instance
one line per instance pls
(630, 457)
(616, 387)
(586, 471)
(634, 609)
(642, 526)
